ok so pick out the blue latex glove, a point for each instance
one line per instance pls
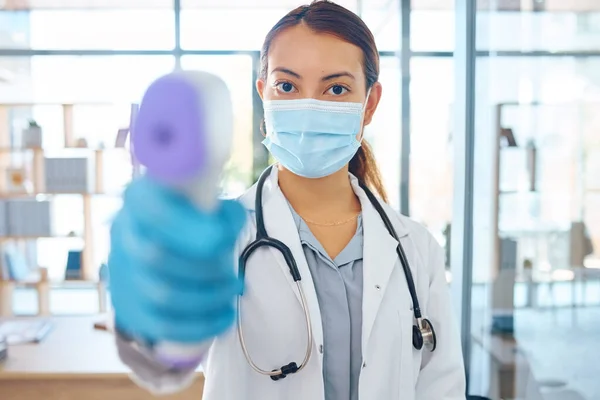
(171, 266)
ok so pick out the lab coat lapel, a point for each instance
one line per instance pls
(280, 225)
(379, 260)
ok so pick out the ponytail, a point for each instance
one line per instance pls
(364, 167)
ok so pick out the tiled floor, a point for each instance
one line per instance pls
(563, 345)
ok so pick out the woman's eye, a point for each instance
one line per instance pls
(337, 90)
(285, 87)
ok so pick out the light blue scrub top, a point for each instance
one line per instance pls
(339, 287)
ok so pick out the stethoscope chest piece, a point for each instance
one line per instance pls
(424, 335)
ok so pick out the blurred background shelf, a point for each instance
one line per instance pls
(60, 183)
(38, 285)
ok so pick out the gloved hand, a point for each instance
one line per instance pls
(171, 267)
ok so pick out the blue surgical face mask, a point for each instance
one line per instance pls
(312, 138)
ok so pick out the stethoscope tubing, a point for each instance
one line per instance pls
(308, 325)
(263, 240)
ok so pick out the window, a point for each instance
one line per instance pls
(424, 37)
(213, 29)
(110, 29)
(57, 79)
(432, 25)
(558, 26)
(383, 19)
(431, 157)
(209, 26)
(384, 131)
(538, 31)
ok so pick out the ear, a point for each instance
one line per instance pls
(260, 87)
(372, 103)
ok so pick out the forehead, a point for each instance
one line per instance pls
(302, 50)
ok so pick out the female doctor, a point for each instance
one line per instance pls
(350, 328)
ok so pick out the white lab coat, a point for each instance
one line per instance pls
(274, 327)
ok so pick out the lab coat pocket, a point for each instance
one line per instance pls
(408, 355)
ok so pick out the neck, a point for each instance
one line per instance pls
(330, 195)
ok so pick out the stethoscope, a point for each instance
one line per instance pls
(423, 334)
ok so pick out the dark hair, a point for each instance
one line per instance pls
(323, 16)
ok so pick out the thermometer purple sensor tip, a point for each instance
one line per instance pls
(183, 135)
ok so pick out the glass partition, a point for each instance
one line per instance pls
(536, 253)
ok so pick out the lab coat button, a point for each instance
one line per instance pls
(377, 287)
(321, 348)
(365, 364)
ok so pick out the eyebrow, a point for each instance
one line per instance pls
(324, 79)
(287, 71)
(338, 75)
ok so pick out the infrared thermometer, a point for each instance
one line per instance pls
(183, 135)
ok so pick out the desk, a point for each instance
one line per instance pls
(74, 362)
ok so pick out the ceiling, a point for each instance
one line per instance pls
(508, 5)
